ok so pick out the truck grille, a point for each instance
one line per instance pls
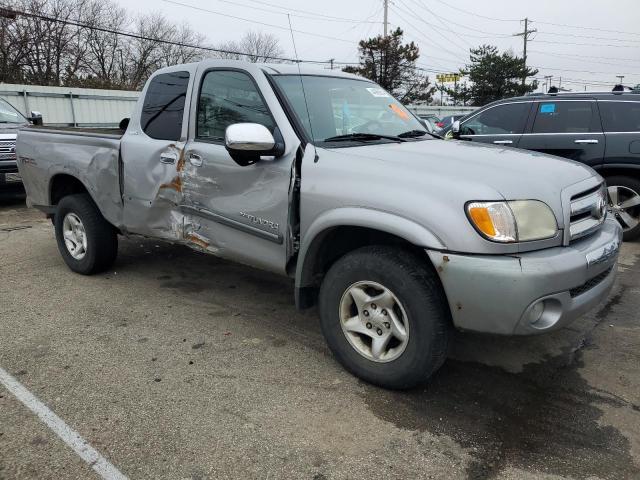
(588, 211)
(7, 149)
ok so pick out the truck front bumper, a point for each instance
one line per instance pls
(533, 292)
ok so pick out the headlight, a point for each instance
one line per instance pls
(514, 221)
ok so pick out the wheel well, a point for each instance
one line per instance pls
(615, 171)
(63, 185)
(333, 244)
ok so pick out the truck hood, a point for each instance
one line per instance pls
(431, 181)
(515, 174)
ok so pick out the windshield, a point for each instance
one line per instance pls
(8, 114)
(343, 106)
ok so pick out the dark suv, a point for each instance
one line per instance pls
(599, 129)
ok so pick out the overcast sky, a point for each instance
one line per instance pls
(606, 45)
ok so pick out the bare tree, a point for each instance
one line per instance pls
(103, 63)
(94, 43)
(46, 52)
(254, 47)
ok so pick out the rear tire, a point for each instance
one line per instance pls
(414, 295)
(625, 190)
(87, 242)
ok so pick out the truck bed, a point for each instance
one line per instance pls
(48, 155)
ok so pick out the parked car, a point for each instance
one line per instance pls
(395, 234)
(432, 119)
(601, 130)
(446, 122)
(10, 121)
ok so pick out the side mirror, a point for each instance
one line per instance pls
(247, 142)
(455, 129)
(36, 118)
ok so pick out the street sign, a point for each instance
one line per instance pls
(447, 77)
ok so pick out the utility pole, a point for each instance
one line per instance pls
(525, 37)
(547, 83)
(620, 77)
(386, 16)
(331, 60)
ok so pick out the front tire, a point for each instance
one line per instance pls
(385, 317)
(87, 242)
(624, 204)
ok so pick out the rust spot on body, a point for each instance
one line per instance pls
(181, 161)
(175, 184)
(197, 240)
(445, 258)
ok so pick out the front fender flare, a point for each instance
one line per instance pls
(358, 217)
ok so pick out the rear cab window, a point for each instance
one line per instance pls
(620, 116)
(163, 109)
(566, 116)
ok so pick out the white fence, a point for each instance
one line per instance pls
(440, 111)
(63, 106)
(105, 108)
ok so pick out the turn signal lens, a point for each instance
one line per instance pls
(494, 220)
(482, 220)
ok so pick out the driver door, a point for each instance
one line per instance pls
(500, 125)
(238, 212)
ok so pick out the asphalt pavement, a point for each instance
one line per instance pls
(179, 365)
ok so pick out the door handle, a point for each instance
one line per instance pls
(503, 142)
(588, 140)
(195, 159)
(168, 157)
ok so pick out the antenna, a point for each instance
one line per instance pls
(304, 95)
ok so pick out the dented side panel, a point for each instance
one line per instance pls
(93, 160)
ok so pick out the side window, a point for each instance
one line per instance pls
(620, 116)
(502, 119)
(163, 107)
(229, 97)
(565, 117)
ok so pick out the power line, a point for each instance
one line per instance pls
(315, 14)
(397, 9)
(151, 39)
(317, 17)
(583, 71)
(474, 14)
(280, 27)
(589, 36)
(570, 56)
(585, 28)
(587, 44)
(440, 19)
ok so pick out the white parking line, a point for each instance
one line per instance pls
(68, 435)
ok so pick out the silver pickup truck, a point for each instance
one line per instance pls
(324, 177)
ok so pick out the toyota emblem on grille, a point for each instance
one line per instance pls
(600, 208)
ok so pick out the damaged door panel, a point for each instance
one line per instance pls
(240, 212)
(153, 158)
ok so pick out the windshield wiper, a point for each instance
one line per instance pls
(418, 133)
(413, 134)
(364, 137)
